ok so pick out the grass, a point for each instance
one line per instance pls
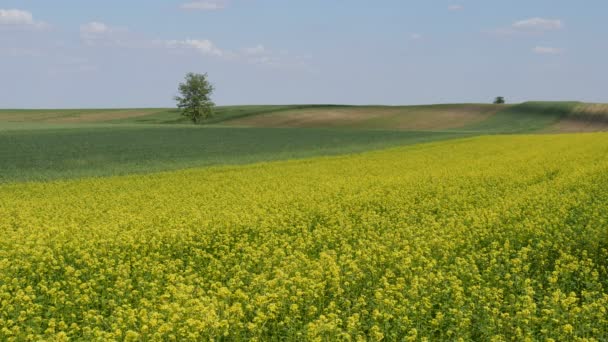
(140, 115)
(223, 113)
(432, 117)
(526, 117)
(77, 115)
(74, 151)
(56, 144)
(482, 118)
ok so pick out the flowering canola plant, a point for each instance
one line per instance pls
(489, 239)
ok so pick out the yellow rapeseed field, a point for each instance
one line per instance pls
(487, 239)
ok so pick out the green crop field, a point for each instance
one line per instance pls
(525, 117)
(55, 144)
(39, 153)
(305, 222)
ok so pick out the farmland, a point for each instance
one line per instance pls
(40, 145)
(528, 116)
(482, 238)
(305, 222)
(44, 152)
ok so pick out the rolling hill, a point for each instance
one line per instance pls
(57, 144)
(481, 118)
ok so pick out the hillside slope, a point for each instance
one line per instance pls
(431, 117)
(61, 152)
(526, 117)
(583, 117)
(59, 144)
(478, 118)
(137, 115)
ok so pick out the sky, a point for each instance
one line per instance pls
(118, 54)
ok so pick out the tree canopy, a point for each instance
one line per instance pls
(194, 100)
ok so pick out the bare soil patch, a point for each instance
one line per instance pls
(402, 118)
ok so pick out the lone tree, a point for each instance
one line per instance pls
(499, 100)
(195, 97)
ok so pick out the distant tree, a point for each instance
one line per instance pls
(499, 100)
(195, 97)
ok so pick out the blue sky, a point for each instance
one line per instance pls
(109, 53)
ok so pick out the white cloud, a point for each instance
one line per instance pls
(94, 27)
(19, 18)
(15, 17)
(255, 55)
(538, 24)
(96, 33)
(204, 5)
(530, 26)
(203, 46)
(454, 8)
(545, 50)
